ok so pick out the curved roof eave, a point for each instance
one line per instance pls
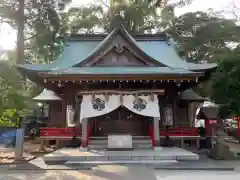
(201, 67)
(30, 73)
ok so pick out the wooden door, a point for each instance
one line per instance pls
(121, 121)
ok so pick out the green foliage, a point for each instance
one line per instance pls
(226, 82)
(41, 25)
(202, 36)
(11, 88)
(11, 117)
(140, 16)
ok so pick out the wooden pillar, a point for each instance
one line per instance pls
(174, 110)
(70, 116)
(42, 145)
(84, 132)
(156, 131)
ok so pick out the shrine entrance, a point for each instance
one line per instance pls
(120, 121)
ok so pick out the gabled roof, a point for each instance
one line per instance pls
(77, 51)
(156, 48)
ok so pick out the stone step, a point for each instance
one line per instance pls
(97, 163)
(145, 141)
(133, 137)
(104, 146)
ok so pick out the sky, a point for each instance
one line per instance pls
(8, 36)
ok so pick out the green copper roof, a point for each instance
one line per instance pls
(121, 70)
(77, 51)
(74, 52)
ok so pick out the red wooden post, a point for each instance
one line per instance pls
(237, 118)
(238, 125)
(151, 134)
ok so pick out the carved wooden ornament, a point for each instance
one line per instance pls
(119, 48)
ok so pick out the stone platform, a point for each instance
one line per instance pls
(74, 154)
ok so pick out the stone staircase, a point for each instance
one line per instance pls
(138, 143)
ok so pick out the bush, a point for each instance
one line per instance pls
(10, 118)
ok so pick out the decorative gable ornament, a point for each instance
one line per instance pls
(119, 48)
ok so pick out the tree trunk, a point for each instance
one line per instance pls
(20, 32)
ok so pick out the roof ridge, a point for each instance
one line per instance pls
(110, 37)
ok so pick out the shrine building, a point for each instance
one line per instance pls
(118, 84)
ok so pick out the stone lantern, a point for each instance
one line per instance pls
(210, 110)
(47, 95)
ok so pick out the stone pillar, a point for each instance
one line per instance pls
(156, 131)
(70, 116)
(84, 131)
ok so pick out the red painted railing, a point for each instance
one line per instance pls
(180, 131)
(60, 132)
(152, 135)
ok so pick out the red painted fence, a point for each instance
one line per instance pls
(70, 132)
(180, 131)
(61, 132)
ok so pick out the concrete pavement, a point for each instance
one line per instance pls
(118, 173)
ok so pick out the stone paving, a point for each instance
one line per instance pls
(197, 175)
(98, 173)
(118, 173)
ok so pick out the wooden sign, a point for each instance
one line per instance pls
(168, 113)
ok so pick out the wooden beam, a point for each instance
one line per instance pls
(122, 77)
(157, 91)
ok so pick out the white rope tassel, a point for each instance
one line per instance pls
(152, 97)
(93, 97)
(107, 97)
(121, 98)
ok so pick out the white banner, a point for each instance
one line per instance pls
(142, 105)
(98, 105)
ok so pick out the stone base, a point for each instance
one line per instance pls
(83, 149)
(74, 154)
(158, 148)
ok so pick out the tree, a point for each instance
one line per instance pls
(140, 16)
(226, 83)
(37, 22)
(202, 36)
(12, 95)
